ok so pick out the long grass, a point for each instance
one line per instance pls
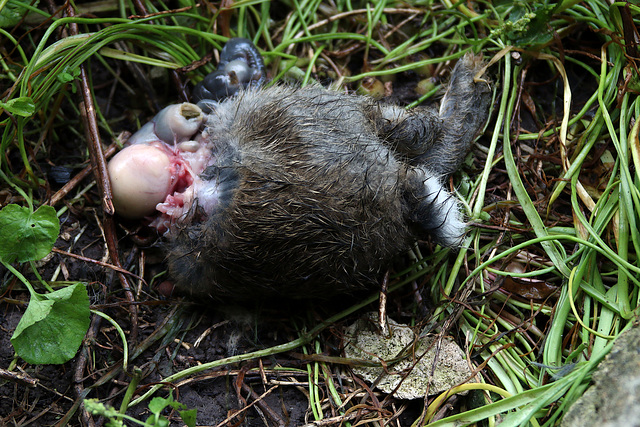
(548, 276)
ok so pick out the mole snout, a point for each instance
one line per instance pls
(288, 192)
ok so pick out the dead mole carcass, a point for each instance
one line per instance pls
(297, 192)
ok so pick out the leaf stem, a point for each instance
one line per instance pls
(23, 279)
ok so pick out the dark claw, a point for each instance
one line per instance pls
(240, 66)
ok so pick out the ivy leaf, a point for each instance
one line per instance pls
(22, 106)
(69, 74)
(157, 404)
(95, 407)
(53, 326)
(189, 417)
(156, 420)
(13, 12)
(531, 28)
(526, 23)
(26, 235)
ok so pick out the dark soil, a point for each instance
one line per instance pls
(167, 334)
(190, 335)
(173, 335)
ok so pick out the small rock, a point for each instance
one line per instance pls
(415, 370)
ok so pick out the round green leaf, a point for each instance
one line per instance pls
(26, 235)
(53, 326)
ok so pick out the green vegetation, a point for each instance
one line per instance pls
(549, 274)
(54, 323)
(156, 406)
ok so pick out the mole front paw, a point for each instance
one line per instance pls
(240, 66)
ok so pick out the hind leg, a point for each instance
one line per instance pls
(435, 145)
(463, 111)
(410, 133)
(440, 140)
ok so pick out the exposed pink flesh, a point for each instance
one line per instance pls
(154, 177)
(141, 177)
(193, 157)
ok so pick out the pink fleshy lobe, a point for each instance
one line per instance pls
(159, 180)
(140, 178)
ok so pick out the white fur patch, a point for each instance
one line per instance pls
(447, 209)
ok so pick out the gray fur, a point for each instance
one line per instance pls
(325, 189)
